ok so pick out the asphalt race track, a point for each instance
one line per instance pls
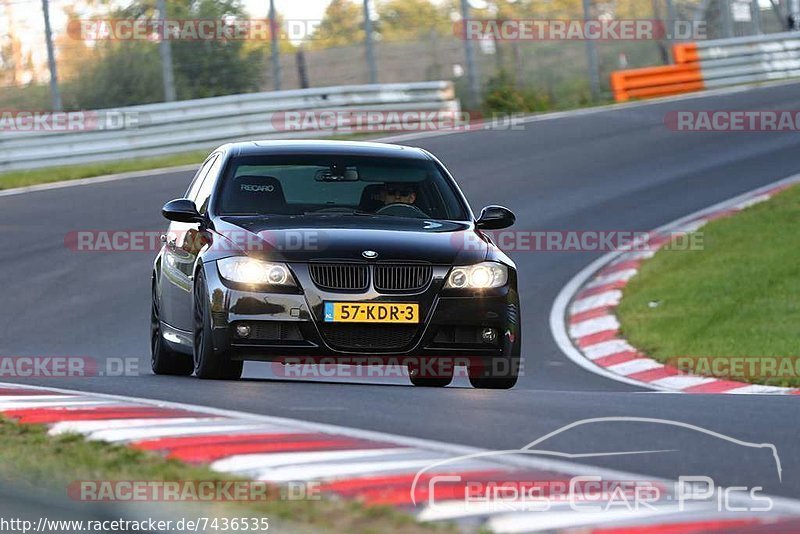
(612, 170)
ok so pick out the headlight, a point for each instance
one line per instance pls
(256, 272)
(479, 276)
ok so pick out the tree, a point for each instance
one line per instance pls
(408, 19)
(218, 67)
(341, 25)
(72, 52)
(120, 73)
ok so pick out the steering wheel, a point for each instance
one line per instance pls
(402, 210)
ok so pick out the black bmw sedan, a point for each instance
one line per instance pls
(327, 249)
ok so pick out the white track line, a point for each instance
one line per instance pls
(303, 473)
(555, 521)
(634, 366)
(593, 326)
(559, 315)
(618, 276)
(519, 461)
(607, 348)
(97, 180)
(608, 298)
(409, 455)
(171, 431)
(251, 462)
(82, 427)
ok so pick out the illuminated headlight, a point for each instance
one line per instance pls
(256, 272)
(480, 276)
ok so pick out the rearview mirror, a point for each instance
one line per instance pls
(337, 174)
(181, 210)
(495, 218)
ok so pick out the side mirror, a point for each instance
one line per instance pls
(495, 218)
(181, 210)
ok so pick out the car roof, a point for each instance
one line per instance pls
(348, 148)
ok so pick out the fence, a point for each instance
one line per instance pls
(557, 70)
(188, 125)
(710, 64)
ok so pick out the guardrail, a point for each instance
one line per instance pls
(709, 64)
(169, 128)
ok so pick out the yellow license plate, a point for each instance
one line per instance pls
(367, 312)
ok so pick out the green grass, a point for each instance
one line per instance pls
(738, 296)
(33, 459)
(73, 172)
(13, 179)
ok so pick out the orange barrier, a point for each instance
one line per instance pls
(699, 65)
(683, 53)
(656, 81)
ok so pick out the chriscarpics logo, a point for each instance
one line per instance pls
(258, 188)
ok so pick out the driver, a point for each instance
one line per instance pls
(397, 194)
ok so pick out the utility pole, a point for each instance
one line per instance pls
(670, 27)
(302, 68)
(165, 51)
(469, 52)
(274, 30)
(591, 55)
(373, 69)
(55, 94)
(794, 16)
(755, 9)
(727, 20)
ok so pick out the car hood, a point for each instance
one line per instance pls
(301, 239)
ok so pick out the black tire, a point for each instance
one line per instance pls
(208, 363)
(500, 374)
(430, 373)
(164, 360)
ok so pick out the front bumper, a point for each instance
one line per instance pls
(293, 322)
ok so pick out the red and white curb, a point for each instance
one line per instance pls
(371, 467)
(584, 323)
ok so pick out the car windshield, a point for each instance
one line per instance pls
(338, 185)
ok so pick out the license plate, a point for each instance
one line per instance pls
(364, 312)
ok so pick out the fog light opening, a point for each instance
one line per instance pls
(242, 330)
(489, 335)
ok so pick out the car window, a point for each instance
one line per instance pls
(304, 185)
(194, 187)
(204, 193)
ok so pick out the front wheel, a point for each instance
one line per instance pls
(430, 373)
(164, 360)
(501, 373)
(208, 363)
